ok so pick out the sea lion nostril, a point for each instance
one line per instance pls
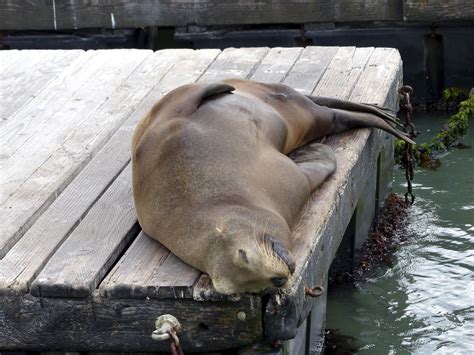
(278, 281)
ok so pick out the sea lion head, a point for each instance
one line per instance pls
(251, 254)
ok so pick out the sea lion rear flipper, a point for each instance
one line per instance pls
(380, 111)
(352, 119)
(349, 115)
(317, 161)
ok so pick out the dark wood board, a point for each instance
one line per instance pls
(101, 324)
(438, 10)
(76, 14)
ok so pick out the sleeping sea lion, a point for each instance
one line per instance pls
(213, 183)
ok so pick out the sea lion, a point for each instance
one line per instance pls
(213, 183)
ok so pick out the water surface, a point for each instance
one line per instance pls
(424, 302)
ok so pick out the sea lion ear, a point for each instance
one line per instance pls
(241, 258)
(281, 251)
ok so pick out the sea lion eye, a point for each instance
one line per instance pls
(243, 256)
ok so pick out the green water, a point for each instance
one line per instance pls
(424, 302)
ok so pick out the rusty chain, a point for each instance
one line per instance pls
(405, 104)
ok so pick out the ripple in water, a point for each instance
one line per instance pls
(424, 303)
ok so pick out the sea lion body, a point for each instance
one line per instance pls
(212, 182)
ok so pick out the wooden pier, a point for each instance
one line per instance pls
(76, 274)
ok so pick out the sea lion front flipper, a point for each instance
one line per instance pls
(184, 100)
(317, 161)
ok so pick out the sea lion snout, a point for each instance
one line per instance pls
(282, 252)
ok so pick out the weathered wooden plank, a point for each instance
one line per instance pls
(15, 63)
(309, 68)
(111, 70)
(17, 268)
(21, 126)
(81, 262)
(438, 10)
(343, 72)
(276, 64)
(31, 81)
(174, 278)
(235, 63)
(101, 324)
(380, 79)
(318, 233)
(48, 161)
(129, 279)
(7, 57)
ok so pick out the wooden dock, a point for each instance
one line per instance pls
(76, 273)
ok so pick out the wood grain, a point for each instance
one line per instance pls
(132, 275)
(276, 65)
(308, 69)
(343, 72)
(31, 80)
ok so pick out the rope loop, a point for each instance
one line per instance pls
(167, 328)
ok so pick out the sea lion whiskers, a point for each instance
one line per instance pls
(267, 252)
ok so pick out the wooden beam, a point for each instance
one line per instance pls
(438, 10)
(75, 14)
(102, 324)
